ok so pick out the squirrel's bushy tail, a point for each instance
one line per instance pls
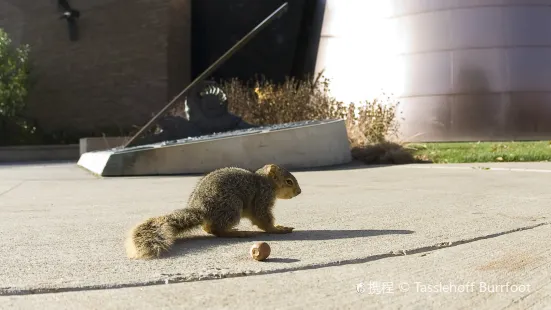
(157, 234)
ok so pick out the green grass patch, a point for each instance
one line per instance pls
(483, 152)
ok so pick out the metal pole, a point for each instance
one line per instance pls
(277, 13)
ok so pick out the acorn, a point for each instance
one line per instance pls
(260, 251)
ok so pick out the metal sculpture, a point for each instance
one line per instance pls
(194, 85)
(206, 111)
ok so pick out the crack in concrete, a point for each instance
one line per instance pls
(12, 188)
(178, 278)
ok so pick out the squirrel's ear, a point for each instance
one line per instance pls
(271, 170)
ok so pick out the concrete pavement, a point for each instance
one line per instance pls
(62, 230)
(511, 272)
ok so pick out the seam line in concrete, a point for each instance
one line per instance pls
(482, 168)
(176, 278)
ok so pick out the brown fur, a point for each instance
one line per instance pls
(217, 204)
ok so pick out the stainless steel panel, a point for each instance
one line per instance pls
(427, 74)
(479, 71)
(478, 27)
(529, 69)
(470, 69)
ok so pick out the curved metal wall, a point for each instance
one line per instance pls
(466, 69)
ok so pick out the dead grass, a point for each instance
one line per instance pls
(385, 153)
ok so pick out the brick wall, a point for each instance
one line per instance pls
(130, 57)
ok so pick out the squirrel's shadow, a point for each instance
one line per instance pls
(198, 243)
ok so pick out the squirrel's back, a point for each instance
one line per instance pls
(231, 180)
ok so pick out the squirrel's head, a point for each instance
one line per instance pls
(287, 186)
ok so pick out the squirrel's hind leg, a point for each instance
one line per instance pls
(231, 233)
(226, 231)
(221, 221)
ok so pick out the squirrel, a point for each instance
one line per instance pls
(217, 203)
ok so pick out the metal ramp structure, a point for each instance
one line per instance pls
(210, 137)
(295, 145)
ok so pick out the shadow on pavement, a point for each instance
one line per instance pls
(199, 243)
(282, 260)
(304, 235)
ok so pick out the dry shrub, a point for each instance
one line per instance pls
(371, 125)
(373, 121)
(262, 102)
(374, 131)
(386, 153)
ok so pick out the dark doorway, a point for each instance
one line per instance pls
(287, 47)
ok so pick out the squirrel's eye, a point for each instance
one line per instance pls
(289, 182)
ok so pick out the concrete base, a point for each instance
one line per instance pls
(295, 145)
(100, 143)
(29, 153)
